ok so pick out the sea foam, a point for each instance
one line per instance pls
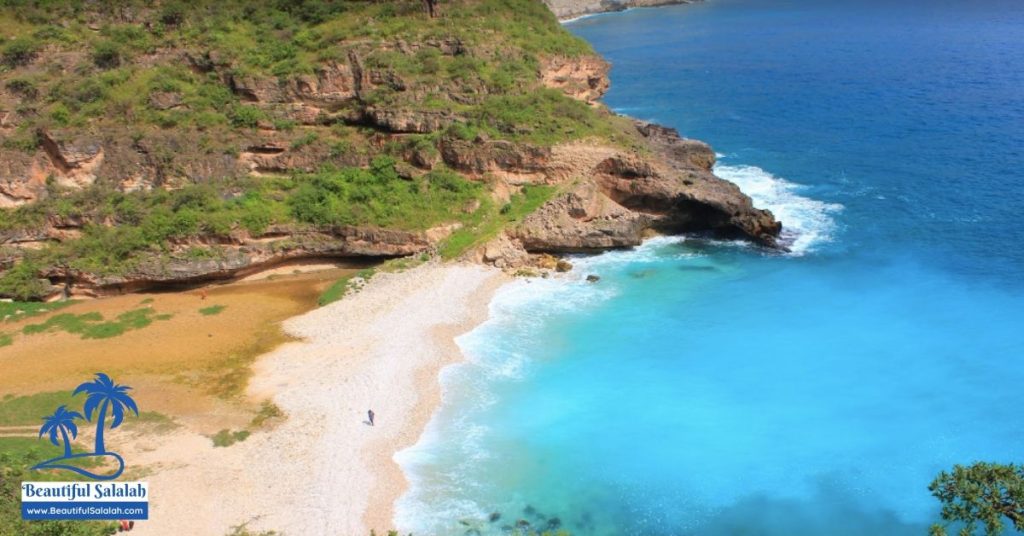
(806, 223)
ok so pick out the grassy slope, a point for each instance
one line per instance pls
(117, 66)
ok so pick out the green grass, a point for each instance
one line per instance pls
(492, 220)
(268, 412)
(212, 310)
(17, 454)
(30, 409)
(226, 438)
(92, 326)
(15, 311)
(379, 196)
(6, 339)
(340, 287)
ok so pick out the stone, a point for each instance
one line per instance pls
(165, 100)
(563, 265)
(593, 278)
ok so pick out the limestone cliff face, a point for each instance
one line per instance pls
(242, 254)
(569, 9)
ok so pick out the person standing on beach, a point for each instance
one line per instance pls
(369, 413)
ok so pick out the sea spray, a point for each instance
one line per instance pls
(806, 223)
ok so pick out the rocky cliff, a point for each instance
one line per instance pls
(187, 161)
(570, 9)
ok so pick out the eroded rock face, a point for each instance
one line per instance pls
(507, 159)
(240, 255)
(619, 196)
(583, 219)
(583, 78)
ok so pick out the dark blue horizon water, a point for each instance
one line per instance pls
(710, 388)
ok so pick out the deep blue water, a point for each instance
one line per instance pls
(712, 388)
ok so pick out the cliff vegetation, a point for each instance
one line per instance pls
(148, 144)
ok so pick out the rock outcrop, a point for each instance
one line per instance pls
(242, 254)
(618, 197)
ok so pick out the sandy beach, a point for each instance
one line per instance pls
(323, 469)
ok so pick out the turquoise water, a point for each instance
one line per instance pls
(707, 387)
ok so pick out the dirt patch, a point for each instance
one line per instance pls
(192, 366)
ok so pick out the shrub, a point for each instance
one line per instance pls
(20, 51)
(60, 114)
(22, 87)
(246, 116)
(22, 282)
(106, 54)
(172, 14)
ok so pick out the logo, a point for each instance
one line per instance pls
(106, 405)
(106, 398)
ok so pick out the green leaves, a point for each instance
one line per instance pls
(981, 497)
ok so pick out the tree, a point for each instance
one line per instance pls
(63, 422)
(982, 494)
(105, 394)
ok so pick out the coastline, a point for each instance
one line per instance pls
(323, 470)
(391, 481)
(573, 10)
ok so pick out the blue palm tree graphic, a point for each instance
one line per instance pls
(104, 397)
(63, 422)
(103, 392)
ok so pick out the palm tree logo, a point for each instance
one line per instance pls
(63, 422)
(104, 397)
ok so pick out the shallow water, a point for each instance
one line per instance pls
(707, 387)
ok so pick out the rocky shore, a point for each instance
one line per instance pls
(571, 9)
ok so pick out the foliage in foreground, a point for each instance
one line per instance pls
(980, 498)
(13, 462)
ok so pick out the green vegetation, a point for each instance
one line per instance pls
(212, 310)
(22, 282)
(341, 287)
(92, 326)
(980, 499)
(15, 311)
(476, 64)
(16, 455)
(268, 412)
(379, 196)
(6, 340)
(30, 409)
(149, 221)
(490, 220)
(226, 438)
(543, 116)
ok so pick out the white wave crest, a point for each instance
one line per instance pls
(806, 223)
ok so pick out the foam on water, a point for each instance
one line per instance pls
(806, 223)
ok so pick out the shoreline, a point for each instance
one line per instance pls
(567, 14)
(391, 480)
(322, 469)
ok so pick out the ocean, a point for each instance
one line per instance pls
(707, 387)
